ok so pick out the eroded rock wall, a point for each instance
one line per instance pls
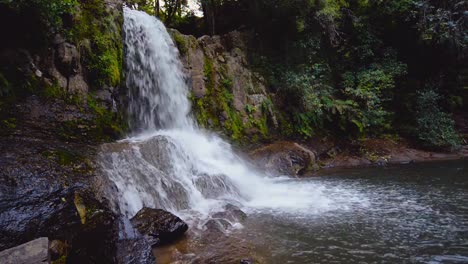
(227, 94)
(57, 103)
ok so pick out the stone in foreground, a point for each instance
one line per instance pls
(33, 252)
(159, 226)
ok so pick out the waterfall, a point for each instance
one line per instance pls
(158, 94)
(168, 162)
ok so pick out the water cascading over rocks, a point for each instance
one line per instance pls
(168, 162)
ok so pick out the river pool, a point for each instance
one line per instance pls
(415, 213)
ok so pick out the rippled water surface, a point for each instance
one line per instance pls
(408, 214)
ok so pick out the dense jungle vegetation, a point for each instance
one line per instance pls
(355, 68)
(351, 68)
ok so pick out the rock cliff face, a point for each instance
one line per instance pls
(227, 95)
(57, 103)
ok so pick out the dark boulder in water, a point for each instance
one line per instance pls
(161, 227)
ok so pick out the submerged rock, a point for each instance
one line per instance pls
(216, 226)
(284, 157)
(231, 213)
(161, 227)
(135, 251)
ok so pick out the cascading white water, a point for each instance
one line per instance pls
(158, 93)
(168, 162)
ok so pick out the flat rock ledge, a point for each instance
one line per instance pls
(32, 252)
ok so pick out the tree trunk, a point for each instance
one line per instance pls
(156, 8)
(208, 7)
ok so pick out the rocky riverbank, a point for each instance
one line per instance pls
(59, 100)
(47, 182)
(291, 158)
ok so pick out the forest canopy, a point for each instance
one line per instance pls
(355, 67)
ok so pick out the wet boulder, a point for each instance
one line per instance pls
(159, 226)
(284, 157)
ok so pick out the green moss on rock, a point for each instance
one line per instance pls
(181, 43)
(215, 110)
(97, 32)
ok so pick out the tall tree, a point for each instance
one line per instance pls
(208, 7)
(156, 8)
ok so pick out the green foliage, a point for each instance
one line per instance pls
(371, 89)
(48, 12)
(435, 129)
(332, 8)
(349, 67)
(313, 96)
(250, 109)
(208, 71)
(443, 23)
(226, 83)
(147, 6)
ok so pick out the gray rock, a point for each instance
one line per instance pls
(284, 157)
(32, 252)
(161, 227)
(229, 62)
(67, 59)
(77, 85)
